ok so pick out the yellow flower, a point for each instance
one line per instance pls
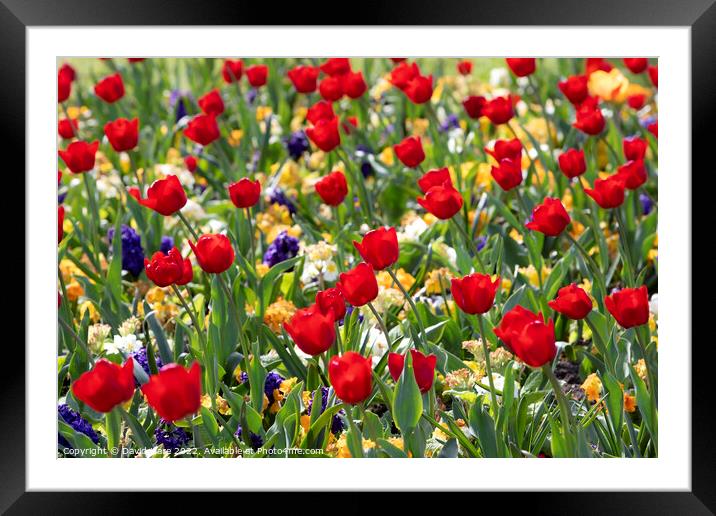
(262, 112)
(531, 274)
(640, 368)
(611, 86)
(74, 290)
(235, 136)
(68, 270)
(438, 280)
(316, 160)
(277, 313)
(506, 284)
(93, 313)
(74, 111)
(290, 175)
(629, 403)
(387, 156)
(419, 126)
(483, 178)
(155, 295)
(592, 387)
(262, 269)
(405, 278)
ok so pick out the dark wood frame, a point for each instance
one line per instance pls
(699, 15)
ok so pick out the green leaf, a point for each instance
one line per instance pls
(482, 426)
(138, 434)
(164, 350)
(407, 401)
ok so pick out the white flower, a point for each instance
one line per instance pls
(123, 344)
(654, 305)
(412, 231)
(377, 345)
(108, 185)
(319, 262)
(499, 77)
(185, 177)
(193, 210)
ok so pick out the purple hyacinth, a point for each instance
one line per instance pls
(167, 244)
(281, 249)
(273, 381)
(140, 357)
(77, 422)
(171, 437)
(646, 204)
(255, 439)
(337, 422)
(481, 242)
(276, 195)
(132, 252)
(451, 122)
(297, 144)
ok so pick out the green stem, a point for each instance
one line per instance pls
(470, 243)
(412, 306)
(380, 323)
(649, 372)
(251, 237)
(561, 399)
(488, 365)
(188, 225)
(193, 317)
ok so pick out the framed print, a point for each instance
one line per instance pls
(282, 242)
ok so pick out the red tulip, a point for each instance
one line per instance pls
(325, 134)
(629, 306)
(202, 129)
(79, 156)
(354, 84)
(321, 110)
(654, 75)
(331, 300)
(304, 78)
(442, 201)
(257, 75)
(499, 110)
(572, 163)
(508, 174)
(379, 248)
(634, 148)
(312, 330)
(106, 385)
(165, 196)
(423, 368)
(410, 151)
(60, 222)
(351, 377)
(402, 74)
(653, 128)
(464, 67)
(122, 134)
(331, 88)
(190, 163)
(549, 218)
(572, 302)
(437, 177)
(528, 336)
(67, 128)
(67, 72)
(575, 88)
(336, 66)
(165, 269)
(522, 66)
(474, 106)
(231, 70)
(397, 60)
(511, 149)
(245, 193)
(609, 192)
(213, 252)
(636, 101)
(110, 89)
(636, 64)
(133, 191)
(475, 293)
(64, 83)
(358, 285)
(592, 64)
(419, 89)
(633, 174)
(589, 121)
(174, 392)
(211, 103)
(332, 188)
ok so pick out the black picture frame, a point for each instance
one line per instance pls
(699, 15)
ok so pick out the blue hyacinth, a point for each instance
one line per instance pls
(297, 144)
(167, 244)
(171, 437)
(132, 252)
(281, 249)
(276, 195)
(273, 381)
(77, 422)
(255, 439)
(336, 422)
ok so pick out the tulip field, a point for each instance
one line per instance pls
(378, 258)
